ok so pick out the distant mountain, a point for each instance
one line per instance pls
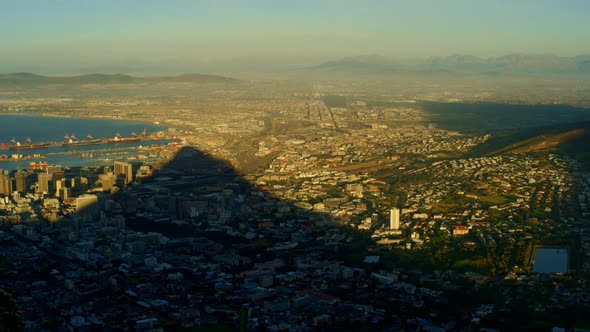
(459, 63)
(24, 76)
(29, 79)
(583, 62)
(512, 63)
(93, 79)
(19, 78)
(365, 63)
(191, 78)
(541, 64)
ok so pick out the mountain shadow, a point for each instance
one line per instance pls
(191, 244)
(194, 244)
(500, 117)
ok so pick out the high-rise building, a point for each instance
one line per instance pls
(5, 184)
(59, 185)
(394, 218)
(124, 169)
(21, 181)
(42, 182)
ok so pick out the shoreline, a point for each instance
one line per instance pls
(43, 127)
(51, 115)
(104, 127)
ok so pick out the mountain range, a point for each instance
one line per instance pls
(541, 64)
(249, 67)
(29, 79)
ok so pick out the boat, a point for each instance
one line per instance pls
(118, 139)
(39, 165)
(87, 155)
(27, 145)
(72, 140)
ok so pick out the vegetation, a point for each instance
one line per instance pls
(10, 320)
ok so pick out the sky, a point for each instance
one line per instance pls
(45, 34)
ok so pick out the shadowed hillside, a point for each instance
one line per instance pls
(571, 139)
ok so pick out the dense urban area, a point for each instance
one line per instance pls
(428, 205)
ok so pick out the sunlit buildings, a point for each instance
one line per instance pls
(125, 170)
(5, 184)
(85, 202)
(42, 182)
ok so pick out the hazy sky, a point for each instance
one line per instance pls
(46, 33)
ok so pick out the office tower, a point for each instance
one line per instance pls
(21, 181)
(125, 170)
(5, 185)
(59, 185)
(394, 218)
(42, 182)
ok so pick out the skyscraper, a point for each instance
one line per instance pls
(124, 169)
(5, 184)
(394, 218)
(42, 182)
(59, 185)
(21, 181)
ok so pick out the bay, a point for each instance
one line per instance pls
(54, 129)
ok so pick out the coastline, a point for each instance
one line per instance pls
(42, 128)
(81, 116)
(104, 126)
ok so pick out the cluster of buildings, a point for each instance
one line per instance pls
(47, 194)
(311, 237)
(148, 258)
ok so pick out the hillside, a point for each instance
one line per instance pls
(29, 79)
(359, 64)
(542, 142)
(190, 78)
(571, 139)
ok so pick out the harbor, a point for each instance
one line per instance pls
(105, 142)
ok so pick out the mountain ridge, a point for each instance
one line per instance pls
(516, 63)
(28, 79)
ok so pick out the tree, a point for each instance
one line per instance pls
(10, 320)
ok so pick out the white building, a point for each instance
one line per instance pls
(394, 214)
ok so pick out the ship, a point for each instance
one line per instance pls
(119, 139)
(26, 146)
(72, 140)
(39, 165)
